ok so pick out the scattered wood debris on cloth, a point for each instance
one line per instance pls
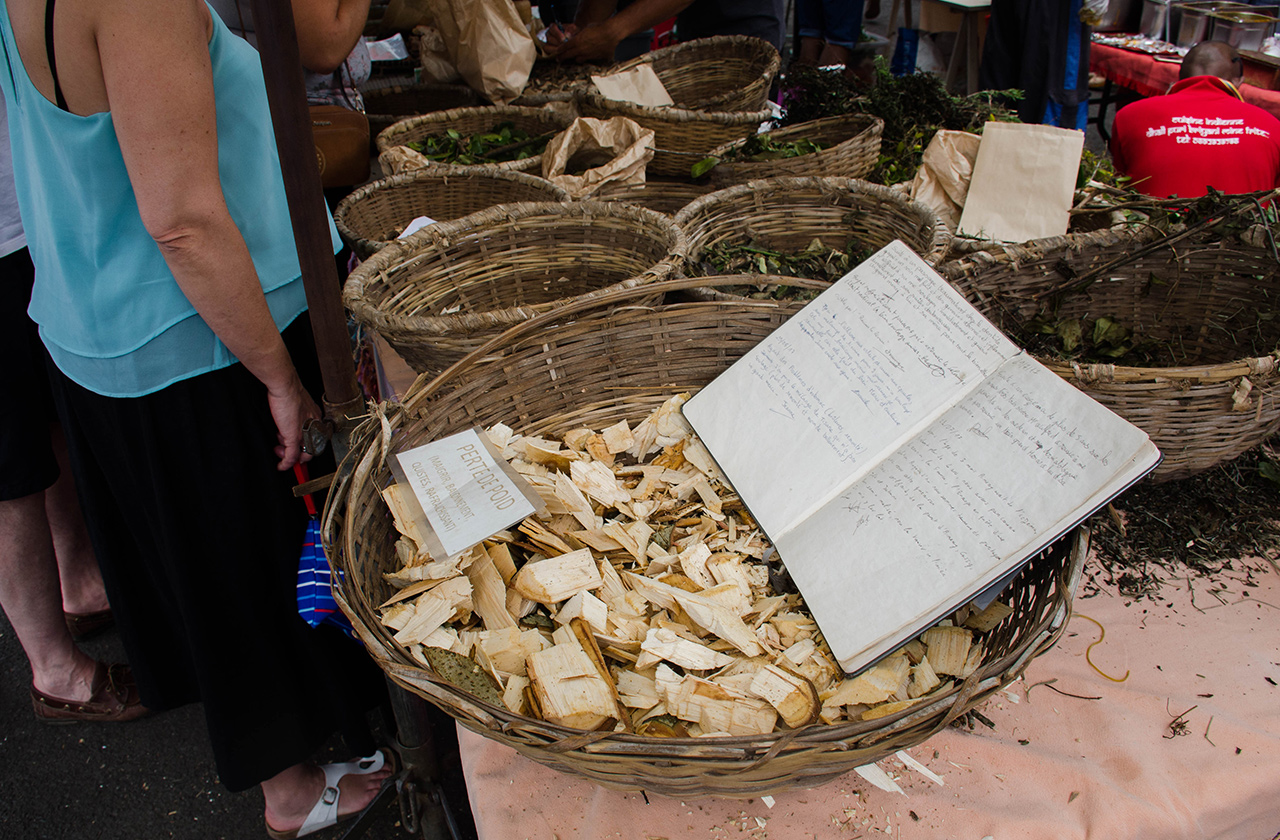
(642, 601)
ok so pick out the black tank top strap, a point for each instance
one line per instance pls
(53, 62)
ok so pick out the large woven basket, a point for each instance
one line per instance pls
(664, 194)
(387, 105)
(851, 147)
(721, 73)
(1209, 300)
(556, 81)
(439, 293)
(534, 121)
(560, 372)
(787, 214)
(374, 215)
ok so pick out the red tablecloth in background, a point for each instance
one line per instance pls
(1151, 77)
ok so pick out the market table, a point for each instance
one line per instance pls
(1118, 759)
(1149, 75)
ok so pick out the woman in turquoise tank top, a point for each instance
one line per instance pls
(169, 297)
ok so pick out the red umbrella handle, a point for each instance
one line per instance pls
(300, 472)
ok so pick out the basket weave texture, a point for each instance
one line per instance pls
(620, 361)
(1208, 300)
(664, 195)
(787, 214)
(721, 73)
(534, 121)
(385, 106)
(437, 294)
(374, 215)
(851, 147)
(719, 86)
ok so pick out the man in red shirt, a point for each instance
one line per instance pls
(1200, 134)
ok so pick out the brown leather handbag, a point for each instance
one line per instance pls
(342, 145)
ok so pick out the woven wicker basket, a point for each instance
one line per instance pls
(385, 106)
(534, 121)
(555, 81)
(787, 214)
(1208, 299)
(557, 373)
(439, 293)
(665, 195)
(719, 86)
(374, 215)
(722, 73)
(851, 147)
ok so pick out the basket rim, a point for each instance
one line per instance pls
(1012, 254)
(432, 171)
(673, 113)
(940, 241)
(444, 234)
(388, 134)
(867, 122)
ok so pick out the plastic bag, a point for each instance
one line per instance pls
(1093, 11)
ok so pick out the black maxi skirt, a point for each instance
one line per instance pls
(198, 535)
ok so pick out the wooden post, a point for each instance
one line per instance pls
(286, 94)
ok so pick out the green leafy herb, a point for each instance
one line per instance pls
(503, 143)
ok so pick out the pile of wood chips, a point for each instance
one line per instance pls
(641, 602)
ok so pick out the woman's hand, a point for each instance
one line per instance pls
(291, 407)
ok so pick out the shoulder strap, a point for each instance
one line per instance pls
(53, 62)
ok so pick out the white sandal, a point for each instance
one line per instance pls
(325, 812)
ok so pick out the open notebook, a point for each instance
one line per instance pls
(903, 455)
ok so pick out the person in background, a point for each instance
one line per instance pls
(1200, 134)
(1040, 47)
(829, 31)
(50, 586)
(169, 297)
(600, 25)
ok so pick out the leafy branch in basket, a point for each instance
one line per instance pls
(503, 143)
(1101, 340)
(758, 148)
(815, 262)
(913, 107)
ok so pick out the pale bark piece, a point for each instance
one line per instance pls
(874, 685)
(923, 679)
(618, 437)
(576, 503)
(489, 593)
(793, 696)
(403, 505)
(509, 649)
(557, 579)
(713, 618)
(435, 608)
(568, 688)
(666, 645)
(598, 482)
(588, 607)
(500, 554)
(719, 711)
(989, 618)
(948, 649)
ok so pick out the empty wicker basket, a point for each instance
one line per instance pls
(851, 147)
(439, 293)
(1209, 302)
(787, 214)
(374, 215)
(620, 360)
(533, 121)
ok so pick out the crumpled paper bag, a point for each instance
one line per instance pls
(400, 159)
(488, 43)
(623, 147)
(942, 181)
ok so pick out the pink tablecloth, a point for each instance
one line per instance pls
(1150, 76)
(1054, 766)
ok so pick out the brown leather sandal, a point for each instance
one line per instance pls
(115, 699)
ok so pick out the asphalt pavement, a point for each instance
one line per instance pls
(152, 778)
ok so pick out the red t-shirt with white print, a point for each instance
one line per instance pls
(1198, 135)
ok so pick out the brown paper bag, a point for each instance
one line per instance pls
(1023, 182)
(942, 182)
(488, 43)
(622, 147)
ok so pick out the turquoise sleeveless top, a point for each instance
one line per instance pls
(110, 312)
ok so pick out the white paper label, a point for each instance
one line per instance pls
(466, 495)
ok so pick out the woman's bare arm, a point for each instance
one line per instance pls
(162, 105)
(327, 31)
